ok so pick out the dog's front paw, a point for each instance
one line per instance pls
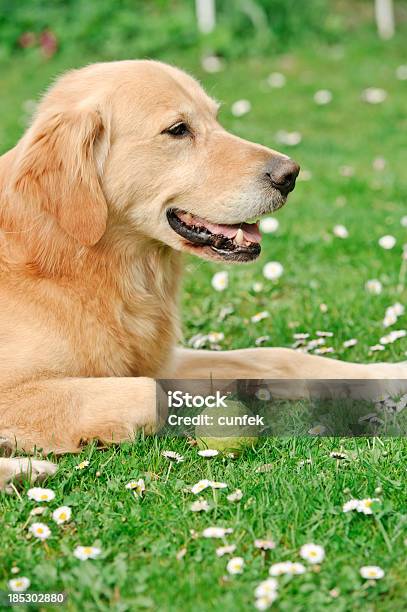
(17, 469)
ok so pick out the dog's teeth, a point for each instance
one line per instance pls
(239, 238)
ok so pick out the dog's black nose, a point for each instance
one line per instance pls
(282, 172)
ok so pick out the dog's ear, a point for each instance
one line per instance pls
(57, 169)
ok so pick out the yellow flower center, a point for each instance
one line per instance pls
(40, 530)
(44, 496)
(62, 516)
(87, 550)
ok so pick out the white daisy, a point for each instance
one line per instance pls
(257, 287)
(241, 107)
(322, 97)
(19, 585)
(261, 340)
(377, 347)
(264, 544)
(403, 221)
(401, 72)
(347, 171)
(212, 64)
(173, 456)
(263, 603)
(379, 164)
(273, 270)
(365, 505)
(260, 316)
(225, 550)
(40, 531)
(200, 486)
(41, 495)
(214, 484)
(220, 281)
(38, 511)
(387, 242)
(235, 565)
(350, 343)
(86, 552)
(215, 337)
(286, 567)
(374, 95)
(266, 588)
(338, 455)
(269, 225)
(137, 486)
(291, 139)
(263, 395)
(216, 532)
(350, 505)
(200, 505)
(340, 231)
(371, 572)
(276, 80)
(82, 465)
(62, 515)
(235, 496)
(208, 453)
(313, 553)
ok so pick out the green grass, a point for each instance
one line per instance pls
(292, 504)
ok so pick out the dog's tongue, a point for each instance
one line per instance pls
(250, 231)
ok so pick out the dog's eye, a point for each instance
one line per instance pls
(179, 130)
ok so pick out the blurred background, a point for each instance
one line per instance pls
(321, 80)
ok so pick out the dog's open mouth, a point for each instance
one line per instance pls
(237, 242)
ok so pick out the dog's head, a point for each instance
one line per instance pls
(135, 147)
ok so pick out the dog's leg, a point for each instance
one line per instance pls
(281, 363)
(59, 415)
(18, 468)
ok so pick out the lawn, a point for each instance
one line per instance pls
(153, 554)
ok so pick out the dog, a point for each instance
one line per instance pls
(123, 169)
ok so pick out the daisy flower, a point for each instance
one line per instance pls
(374, 286)
(40, 531)
(387, 242)
(86, 552)
(322, 97)
(338, 455)
(265, 544)
(241, 107)
(208, 453)
(403, 221)
(350, 505)
(41, 495)
(263, 395)
(220, 281)
(235, 496)
(62, 515)
(137, 486)
(216, 532)
(19, 585)
(365, 505)
(38, 511)
(217, 485)
(263, 603)
(349, 343)
(277, 80)
(266, 588)
(212, 64)
(200, 505)
(290, 139)
(173, 456)
(286, 567)
(273, 270)
(371, 572)
(340, 231)
(235, 565)
(82, 465)
(260, 316)
(261, 340)
(312, 553)
(200, 486)
(269, 225)
(225, 550)
(257, 287)
(374, 95)
(215, 337)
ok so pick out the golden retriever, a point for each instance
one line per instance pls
(124, 167)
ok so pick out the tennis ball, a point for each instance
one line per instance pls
(228, 431)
